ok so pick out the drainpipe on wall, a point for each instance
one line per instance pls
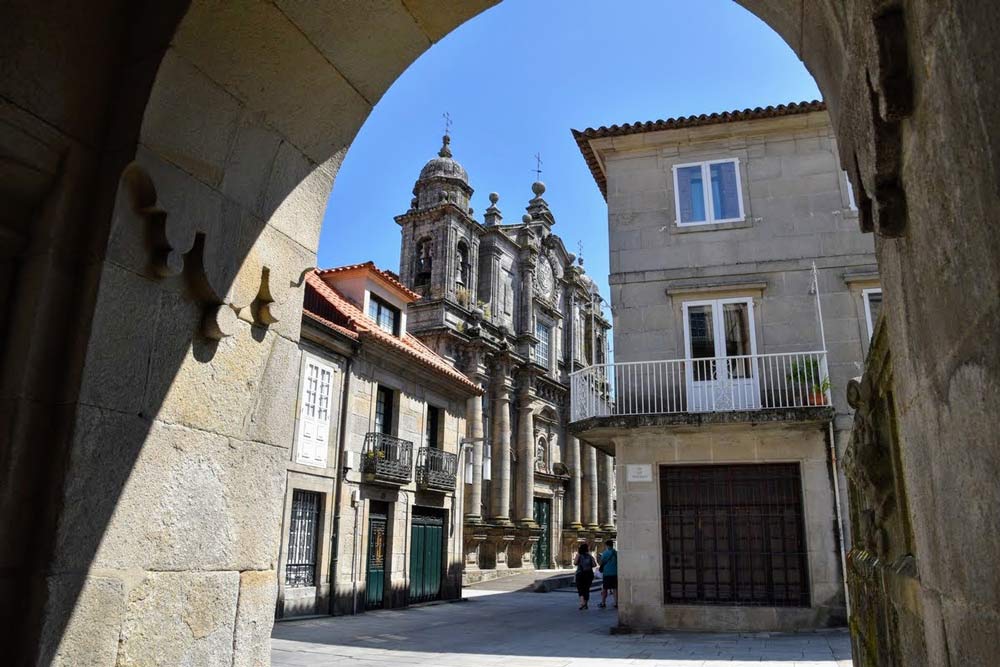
(840, 520)
(338, 490)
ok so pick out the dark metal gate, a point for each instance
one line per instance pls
(426, 562)
(543, 548)
(303, 531)
(734, 535)
(377, 545)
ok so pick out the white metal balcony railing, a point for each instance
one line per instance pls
(711, 384)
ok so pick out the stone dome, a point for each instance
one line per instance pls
(444, 166)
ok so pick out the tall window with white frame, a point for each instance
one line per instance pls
(543, 332)
(873, 306)
(384, 315)
(708, 192)
(719, 342)
(314, 413)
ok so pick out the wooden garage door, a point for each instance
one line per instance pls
(426, 555)
(733, 535)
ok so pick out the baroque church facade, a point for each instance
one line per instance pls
(508, 305)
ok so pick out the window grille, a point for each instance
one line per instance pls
(303, 533)
(734, 535)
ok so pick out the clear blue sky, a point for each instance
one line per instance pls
(516, 78)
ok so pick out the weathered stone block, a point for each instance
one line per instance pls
(83, 621)
(311, 104)
(121, 341)
(255, 618)
(272, 417)
(179, 499)
(177, 128)
(180, 618)
(296, 195)
(351, 36)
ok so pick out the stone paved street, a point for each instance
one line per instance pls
(499, 625)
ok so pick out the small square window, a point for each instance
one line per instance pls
(720, 201)
(384, 315)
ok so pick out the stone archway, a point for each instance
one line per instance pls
(150, 309)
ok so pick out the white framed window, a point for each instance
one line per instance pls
(543, 332)
(314, 413)
(873, 306)
(708, 192)
(851, 203)
(385, 315)
(721, 346)
(487, 461)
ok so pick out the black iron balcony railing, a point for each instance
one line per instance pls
(386, 458)
(436, 469)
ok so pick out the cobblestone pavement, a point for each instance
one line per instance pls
(498, 624)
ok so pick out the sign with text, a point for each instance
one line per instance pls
(639, 472)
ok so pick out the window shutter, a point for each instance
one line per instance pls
(314, 414)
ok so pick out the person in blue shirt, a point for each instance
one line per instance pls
(609, 568)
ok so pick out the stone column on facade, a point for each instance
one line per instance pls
(606, 499)
(590, 490)
(558, 521)
(526, 441)
(528, 260)
(500, 483)
(474, 410)
(602, 490)
(574, 496)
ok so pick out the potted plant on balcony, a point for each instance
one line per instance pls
(806, 374)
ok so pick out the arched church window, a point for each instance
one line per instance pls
(462, 259)
(424, 263)
(542, 455)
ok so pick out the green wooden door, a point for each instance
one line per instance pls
(426, 557)
(543, 548)
(375, 577)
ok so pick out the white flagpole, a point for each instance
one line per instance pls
(819, 308)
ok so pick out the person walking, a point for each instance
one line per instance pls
(609, 568)
(585, 564)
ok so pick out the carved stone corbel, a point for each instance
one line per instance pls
(177, 250)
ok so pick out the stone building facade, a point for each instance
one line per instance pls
(372, 513)
(744, 298)
(510, 307)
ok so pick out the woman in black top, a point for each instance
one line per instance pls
(585, 564)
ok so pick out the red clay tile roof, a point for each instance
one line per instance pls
(583, 137)
(329, 307)
(387, 276)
